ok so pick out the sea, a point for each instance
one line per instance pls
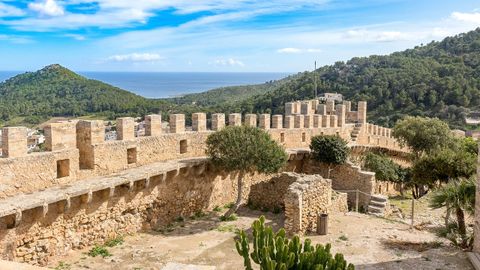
(172, 84)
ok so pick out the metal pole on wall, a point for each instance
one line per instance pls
(315, 80)
(413, 213)
(356, 200)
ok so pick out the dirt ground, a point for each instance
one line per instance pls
(206, 243)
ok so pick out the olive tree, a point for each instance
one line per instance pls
(422, 135)
(330, 149)
(245, 150)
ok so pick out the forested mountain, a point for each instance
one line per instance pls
(229, 94)
(57, 91)
(439, 79)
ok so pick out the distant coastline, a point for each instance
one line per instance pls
(172, 84)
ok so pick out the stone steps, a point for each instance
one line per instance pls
(378, 205)
(474, 259)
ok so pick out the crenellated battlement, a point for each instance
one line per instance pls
(77, 149)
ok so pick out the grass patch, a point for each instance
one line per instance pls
(62, 266)
(227, 228)
(198, 214)
(217, 209)
(232, 217)
(229, 205)
(114, 242)
(180, 219)
(343, 237)
(99, 251)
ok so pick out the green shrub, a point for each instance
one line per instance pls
(276, 251)
(99, 251)
(229, 205)
(217, 208)
(114, 242)
(232, 217)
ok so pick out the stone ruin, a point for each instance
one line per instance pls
(84, 190)
(302, 196)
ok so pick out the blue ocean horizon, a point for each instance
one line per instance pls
(172, 84)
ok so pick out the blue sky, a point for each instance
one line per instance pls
(218, 35)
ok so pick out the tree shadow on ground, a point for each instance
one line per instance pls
(208, 221)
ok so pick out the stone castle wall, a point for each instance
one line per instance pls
(104, 214)
(84, 189)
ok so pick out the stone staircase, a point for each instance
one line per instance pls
(378, 205)
(355, 132)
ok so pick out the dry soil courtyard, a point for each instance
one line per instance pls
(206, 243)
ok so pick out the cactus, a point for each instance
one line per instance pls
(274, 251)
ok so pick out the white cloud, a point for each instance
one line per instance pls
(47, 7)
(10, 11)
(125, 13)
(135, 57)
(298, 50)
(376, 36)
(466, 17)
(228, 62)
(15, 39)
(76, 37)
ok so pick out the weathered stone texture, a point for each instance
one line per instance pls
(346, 177)
(14, 142)
(60, 136)
(199, 122)
(299, 121)
(289, 121)
(264, 121)
(218, 121)
(177, 123)
(277, 121)
(307, 198)
(125, 128)
(251, 120)
(235, 119)
(153, 125)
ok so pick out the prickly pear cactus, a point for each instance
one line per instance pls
(274, 251)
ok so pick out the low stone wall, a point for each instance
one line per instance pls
(270, 194)
(308, 197)
(345, 177)
(339, 203)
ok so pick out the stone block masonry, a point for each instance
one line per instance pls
(218, 121)
(177, 123)
(199, 122)
(14, 142)
(307, 198)
(264, 121)
(153, 125)
(125, 129)
(235, 119)
(60, 136)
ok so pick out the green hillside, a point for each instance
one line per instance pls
(230, 94)
(439, 79)
(32, 97)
